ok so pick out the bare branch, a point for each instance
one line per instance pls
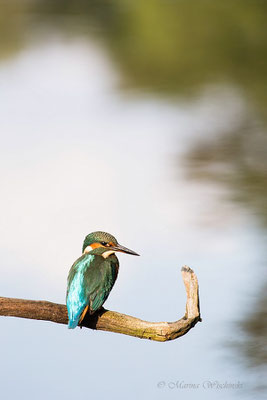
(110, 320)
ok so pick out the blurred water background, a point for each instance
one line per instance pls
(146, 119)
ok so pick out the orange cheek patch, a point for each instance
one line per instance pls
(95, 245)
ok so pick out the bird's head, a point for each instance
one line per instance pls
(104, 244)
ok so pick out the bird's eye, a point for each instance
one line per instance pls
(103, 243)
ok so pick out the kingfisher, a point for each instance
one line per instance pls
(93, 275)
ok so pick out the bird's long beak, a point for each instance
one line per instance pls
(124, 250)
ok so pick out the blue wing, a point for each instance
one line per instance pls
(90, 281)
(77, 298)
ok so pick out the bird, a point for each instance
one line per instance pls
(92, 276)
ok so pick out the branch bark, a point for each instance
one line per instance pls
(113, 321)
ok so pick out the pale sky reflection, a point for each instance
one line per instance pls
(77, 156)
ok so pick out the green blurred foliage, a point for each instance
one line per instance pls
(255, 327)
(170, 47)
(13, 26)
(237, 159)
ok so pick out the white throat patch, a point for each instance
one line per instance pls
(87, 249)
(108, 253)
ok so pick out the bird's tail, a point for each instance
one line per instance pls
(73, 323)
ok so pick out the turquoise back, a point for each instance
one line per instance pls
(90, 281)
